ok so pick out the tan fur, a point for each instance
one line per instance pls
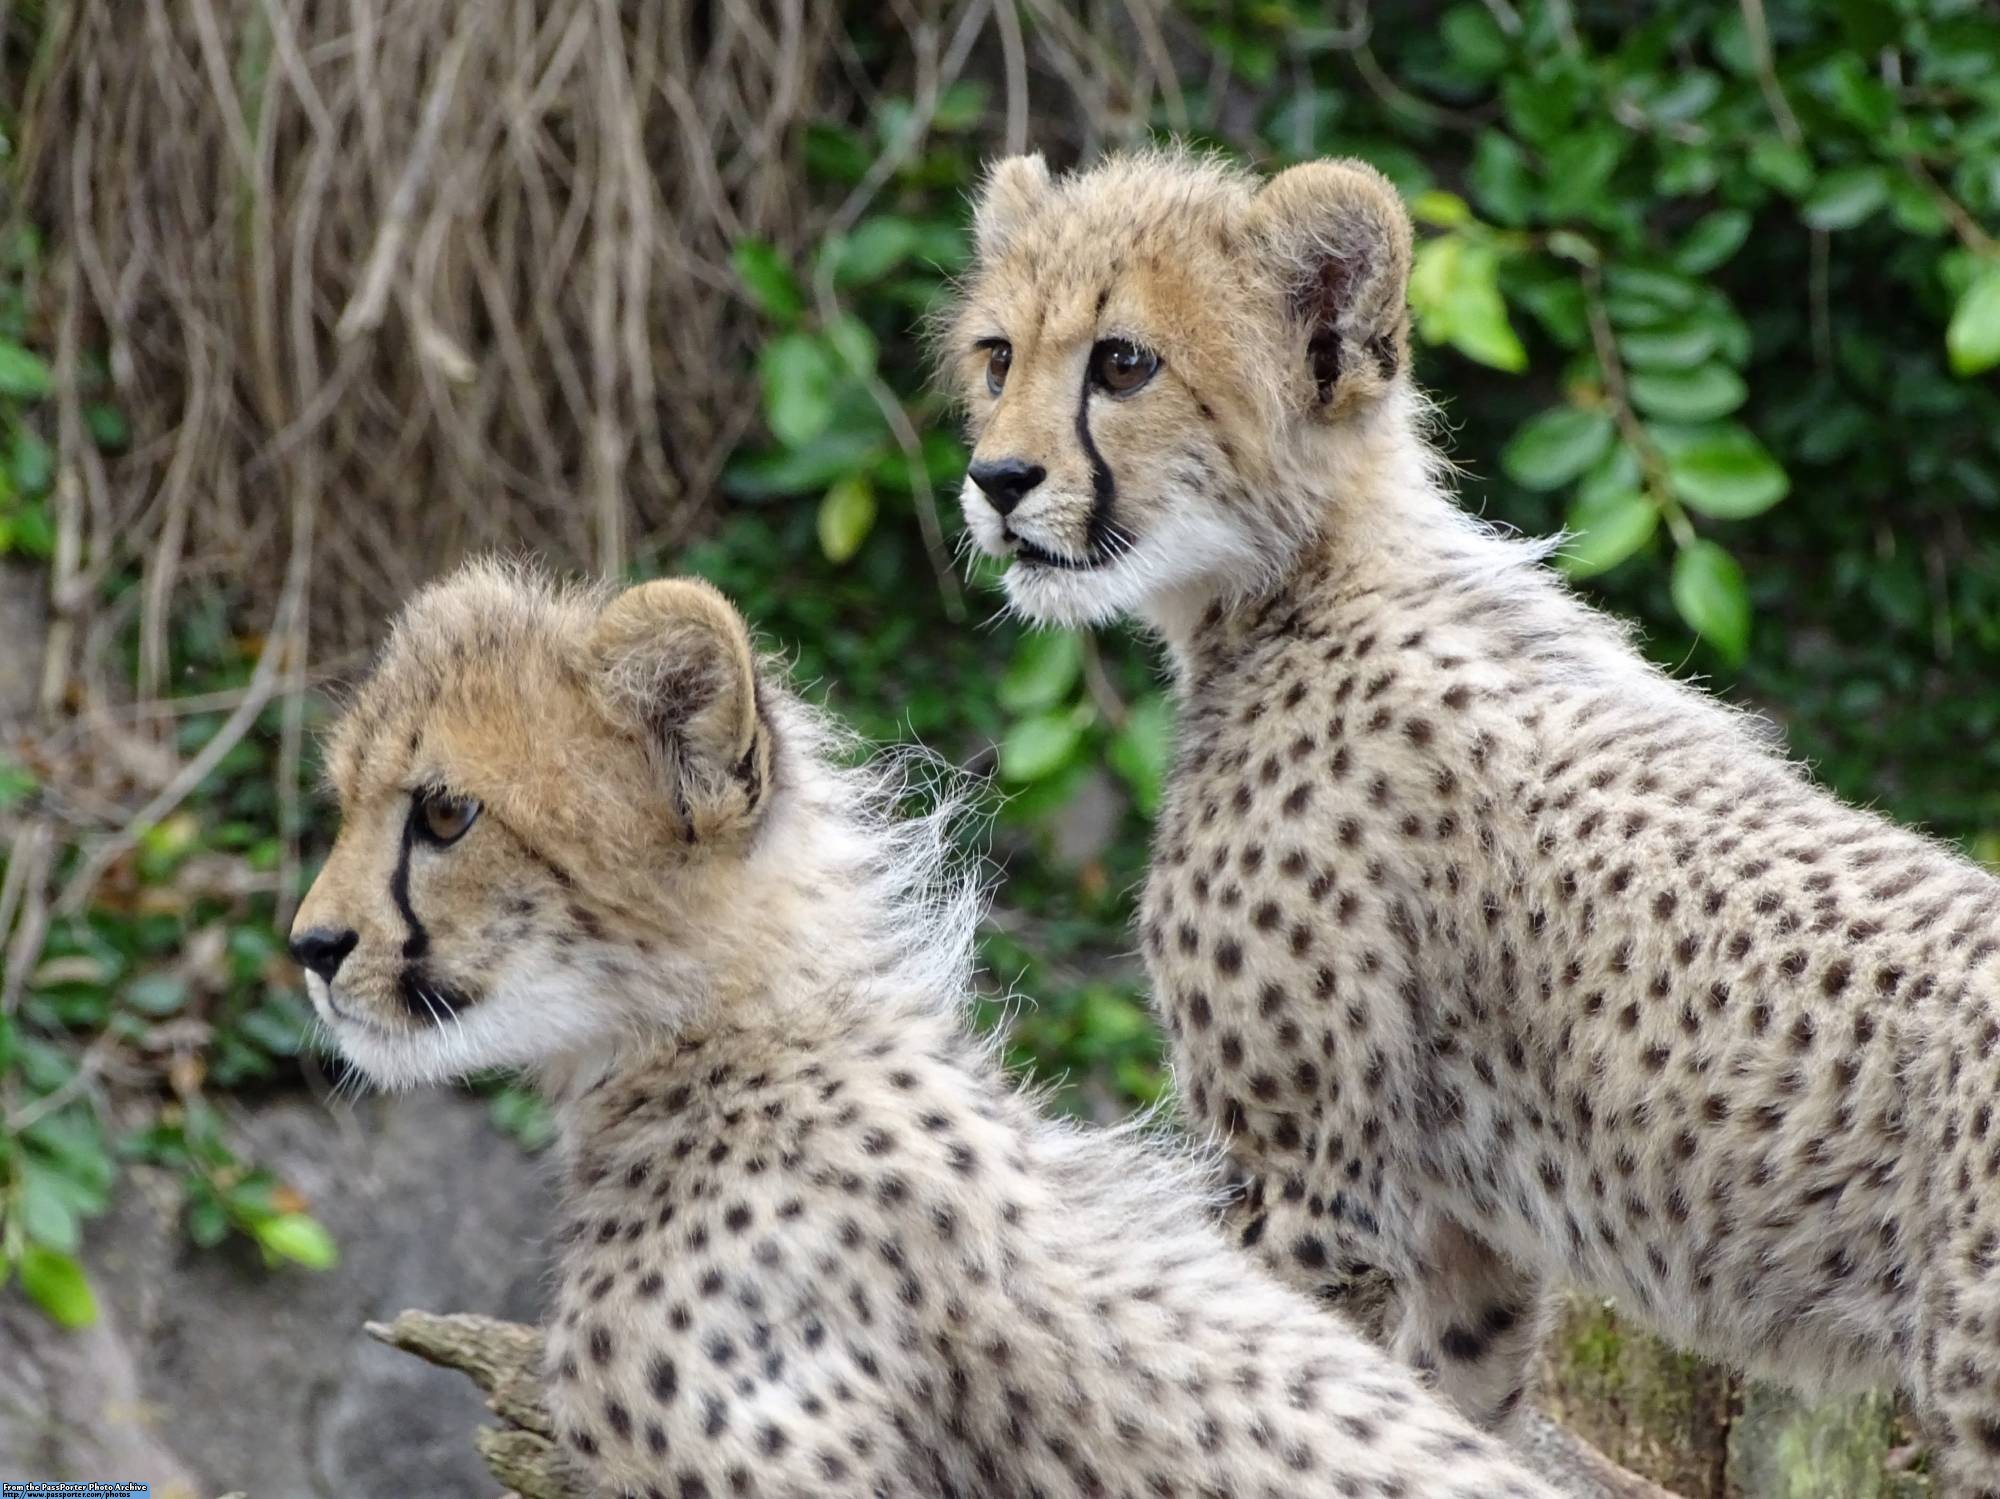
(1229, 282)
(813, 1244)
(1497, 958)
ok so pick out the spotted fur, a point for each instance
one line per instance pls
(1497, 958)
(812, 1243)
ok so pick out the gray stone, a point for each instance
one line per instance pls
(211, 1372)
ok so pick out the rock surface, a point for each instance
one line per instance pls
(208, 1372)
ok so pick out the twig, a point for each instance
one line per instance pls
(1652, 466)
(1758, 31)
(363, 313)
(264, 678)
(73, 1087)
(28, 863)
(1110, 703)
(1968, 229)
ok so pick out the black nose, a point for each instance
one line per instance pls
(323, 951)
(1006, 480)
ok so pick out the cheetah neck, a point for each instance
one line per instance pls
(1360, 506)
(843, 911)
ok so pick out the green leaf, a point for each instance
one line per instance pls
(1697, 395)
(1868, 103)
(1573, 246)
(1455, 291)
(22, 374)
(1617, 471)
(1038, 746)
(1640, 297)
(1675, 347)
(1141, 749)
(108, 428)
(1723, 471)
(1556, 446)
(156, 993)
(1973, 338)
(768, 279)
(1044, 668)
(280, 1028)
(1440, 209)
(1555, 301)
(1712, 240)
(1480, 331)
(1914, 210)
(523, 1114)
(299, 1237)
(207, 1223)
(1474, 39)
(30, 463)
(46, 1214)
(1843, 198)
(73, 1141)
(1605, 530)
(1580, 165)
(55, 1282)
(1501, 179)
(852, 340)
(1783, 165)
(1709, 591)
(876, 247)
(811, 466)
(846, 515)
(798, 374)
(1690, 94)
(961, 106)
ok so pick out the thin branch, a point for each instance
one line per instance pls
(1970, 232)
(1652, 466)
(1765, 62)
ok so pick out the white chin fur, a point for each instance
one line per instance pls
(525, 1021)
(1191, 552)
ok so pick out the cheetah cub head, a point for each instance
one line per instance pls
(550, 806)
(1165, 363)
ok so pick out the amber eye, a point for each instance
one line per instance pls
(444, 818)
(1122, 368)
(999, 355)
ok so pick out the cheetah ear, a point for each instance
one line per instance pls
(673, 662)
(1013, 189)
(1339, 239)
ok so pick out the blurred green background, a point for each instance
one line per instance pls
(1712, 286)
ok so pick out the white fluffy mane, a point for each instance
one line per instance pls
(883, 828)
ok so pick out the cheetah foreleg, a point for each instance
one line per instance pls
(1474, 1320)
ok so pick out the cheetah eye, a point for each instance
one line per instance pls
(443, 818)
(999, 356)
(1120, 367)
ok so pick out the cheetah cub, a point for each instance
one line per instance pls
(1496, 957)
(813, 1244)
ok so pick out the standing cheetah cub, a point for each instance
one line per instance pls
(1497, 957)
(813, 1244)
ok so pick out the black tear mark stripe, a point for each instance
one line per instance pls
(1101, 532)
(418, 942)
